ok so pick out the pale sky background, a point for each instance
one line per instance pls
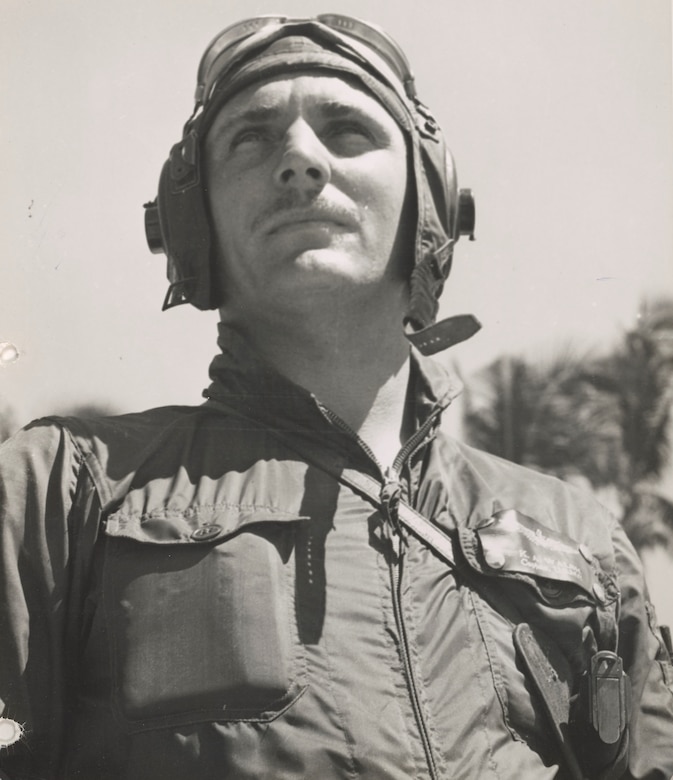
(559, 114)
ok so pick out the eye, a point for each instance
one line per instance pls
(249, 136)
(347, 127)
(348, 137)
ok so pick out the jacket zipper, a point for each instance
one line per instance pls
(396, 588)
(392, 529)
(410, 446)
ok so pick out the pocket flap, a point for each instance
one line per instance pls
(512, 546)
(195, 525)
(512, 541)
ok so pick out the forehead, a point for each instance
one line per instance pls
(305, 91)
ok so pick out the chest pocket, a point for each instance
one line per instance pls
(199, 610)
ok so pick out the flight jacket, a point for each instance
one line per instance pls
(202, 592)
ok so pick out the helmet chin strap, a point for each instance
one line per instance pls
(443, 334)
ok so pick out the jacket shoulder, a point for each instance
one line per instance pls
(114, 448)
(481, 483)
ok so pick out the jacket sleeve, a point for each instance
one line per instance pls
(40, 476)
(649, 668)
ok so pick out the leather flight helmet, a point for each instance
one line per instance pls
(177, 222)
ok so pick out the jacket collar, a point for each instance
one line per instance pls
(247, 385)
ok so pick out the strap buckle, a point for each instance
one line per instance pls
(609, 697)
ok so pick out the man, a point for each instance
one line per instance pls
(304, 578)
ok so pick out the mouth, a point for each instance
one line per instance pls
(308, 224)
(319, 219)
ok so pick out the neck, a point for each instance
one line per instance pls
(355, 363)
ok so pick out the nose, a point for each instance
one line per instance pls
(304, 164)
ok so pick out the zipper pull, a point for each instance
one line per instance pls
(390, 500)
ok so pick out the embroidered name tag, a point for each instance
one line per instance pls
(512, 541)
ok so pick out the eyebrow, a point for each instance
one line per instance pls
(330, 109)
(255, 115)
(334, 109)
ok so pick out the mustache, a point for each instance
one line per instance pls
(293, 207)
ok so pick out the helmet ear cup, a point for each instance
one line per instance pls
(467, 214)
(177, 224)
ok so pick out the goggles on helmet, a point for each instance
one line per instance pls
(224, 51)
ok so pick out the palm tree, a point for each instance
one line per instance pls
(648, 521)
(647, 358)
(639, 375)
(548, 417)
(606, 420)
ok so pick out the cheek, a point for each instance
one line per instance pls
(221, 191)
(228, 205)
(386, 193)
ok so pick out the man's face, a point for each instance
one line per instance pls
(306, 179)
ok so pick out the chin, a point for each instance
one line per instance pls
(330, 264)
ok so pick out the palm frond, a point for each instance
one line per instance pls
(607, 419)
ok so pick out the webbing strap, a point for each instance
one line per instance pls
(412, 520)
